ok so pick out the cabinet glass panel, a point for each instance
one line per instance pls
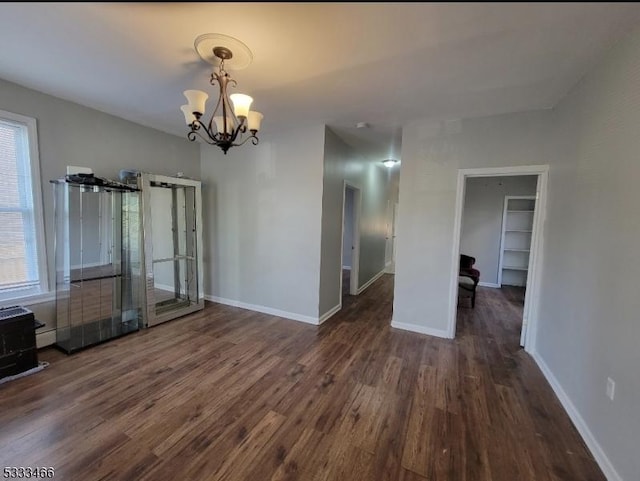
(97, 296)
(170, 219)
(173, 246)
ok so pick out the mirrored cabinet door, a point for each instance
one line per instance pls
(171, 220)
(97, 288)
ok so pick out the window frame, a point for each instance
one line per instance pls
(41, 292)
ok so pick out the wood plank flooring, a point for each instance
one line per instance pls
(229, 394)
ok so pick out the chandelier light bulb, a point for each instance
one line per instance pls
(255, 119)
(241, 104)
(197, 100)
(189, 118)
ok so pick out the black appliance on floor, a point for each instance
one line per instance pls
(18, 351)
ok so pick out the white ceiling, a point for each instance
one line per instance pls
(337, 63)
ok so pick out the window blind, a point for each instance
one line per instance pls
(18, 249)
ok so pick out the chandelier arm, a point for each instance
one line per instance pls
(215, 77)
(226, 106)
(192, 136)
(211, 138)
(227, 101)
(237, 131)
(197, 126)
(254, 140)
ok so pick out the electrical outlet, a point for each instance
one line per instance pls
(611, 388)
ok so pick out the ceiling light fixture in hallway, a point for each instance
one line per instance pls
(389, 163)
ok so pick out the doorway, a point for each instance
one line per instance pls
(513, 259)
(350, 255)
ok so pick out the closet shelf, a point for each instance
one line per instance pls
(517, 229)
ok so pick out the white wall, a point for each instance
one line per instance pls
(589, 306)
(261, 212)
(481, 232)
(342, 163)
(70, 134)
(347, 236)
(432, 153)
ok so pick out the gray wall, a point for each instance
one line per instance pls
(347, 237)
(70, 134)
(432, 153)
(589, 304)
(481, 232)
(261, 209)
(588, 308)
(342, 163)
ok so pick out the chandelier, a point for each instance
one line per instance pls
(227, 126)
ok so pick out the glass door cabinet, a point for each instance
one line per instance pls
(172, 246)
(98, 263)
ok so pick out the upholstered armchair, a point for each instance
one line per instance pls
(468, 277)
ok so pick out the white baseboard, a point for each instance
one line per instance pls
(580, 424)
(46, 338)
(371, 281)
(489, 284)
(346, 268)
(264, 309)
(420, 329)
(330, 313)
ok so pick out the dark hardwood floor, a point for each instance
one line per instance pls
(229, 394)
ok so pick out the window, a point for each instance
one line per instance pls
(22, 255)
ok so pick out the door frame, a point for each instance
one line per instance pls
(391, 268)
(532, 294)
(355, 255)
